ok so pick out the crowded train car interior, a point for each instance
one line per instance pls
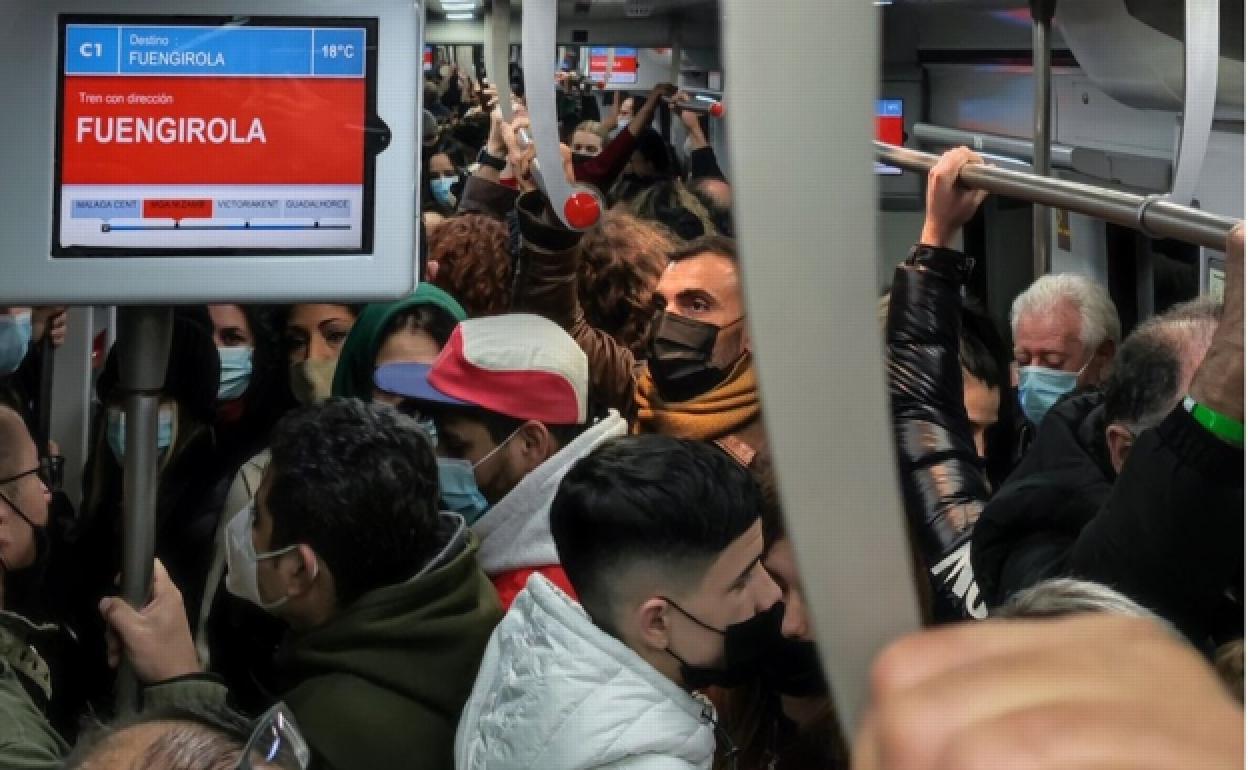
(647, 384)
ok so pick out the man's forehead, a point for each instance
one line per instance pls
(710, 272)
(18, 444)
(458, 422)
(1062, 321)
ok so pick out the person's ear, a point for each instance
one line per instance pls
(535, 444)
(299, 569)
(1119, 441)
(653, 619)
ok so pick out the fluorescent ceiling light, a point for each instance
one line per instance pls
(459, 16)
(450, 6)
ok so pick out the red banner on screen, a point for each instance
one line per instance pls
(890, 129)
(624, 64)
(207, 130)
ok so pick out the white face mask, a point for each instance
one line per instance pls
(242, 561)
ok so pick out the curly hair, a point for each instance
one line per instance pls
(621, 262)
(474, 263)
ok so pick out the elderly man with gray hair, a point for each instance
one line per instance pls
(1139, 487)
(1065, 330)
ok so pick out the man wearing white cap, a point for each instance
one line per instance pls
(508, 398)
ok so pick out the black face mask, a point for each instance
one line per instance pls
(680, 357)
(43, 543)
(579, 158)
(746, 644)
(792, 667)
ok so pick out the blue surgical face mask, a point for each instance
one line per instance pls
(441, 188)
(457, 484)
(116, 432)
(15, 334)
(235, 373)
(1040, 387)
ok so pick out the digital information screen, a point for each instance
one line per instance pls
(889, 127)
(624, 70)
(180, 137)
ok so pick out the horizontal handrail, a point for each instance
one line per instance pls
(1151, 214)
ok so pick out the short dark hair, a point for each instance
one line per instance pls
(719, 245)
(651, 145)
(672, 504)
(981, 349)
(1143, 383)
(357, 482)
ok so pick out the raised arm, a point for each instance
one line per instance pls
(702, 161)
(943, 483)
(546, 285)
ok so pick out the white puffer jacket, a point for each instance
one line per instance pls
(557, 693)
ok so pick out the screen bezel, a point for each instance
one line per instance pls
(376, 134)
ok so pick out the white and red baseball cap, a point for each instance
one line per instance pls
(517, 365)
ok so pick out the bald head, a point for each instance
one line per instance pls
(1152, 371)
(164, 744)
(15, 442)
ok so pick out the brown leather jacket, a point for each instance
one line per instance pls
(546, 285)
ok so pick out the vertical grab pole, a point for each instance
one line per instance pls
(835, 459)
(144, 339)
(1042, 25)
(47, 370)
(498, 53)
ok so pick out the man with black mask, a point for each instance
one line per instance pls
(698, 381)
(663, 543)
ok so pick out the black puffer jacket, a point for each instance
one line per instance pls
(1026, 532)
(943, 483)
(1168, 532)
(1171, 536)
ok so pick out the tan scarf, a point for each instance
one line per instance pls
(724, 410)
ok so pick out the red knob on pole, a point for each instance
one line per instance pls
(717, 110)
(582, 210)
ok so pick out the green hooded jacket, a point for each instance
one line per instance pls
(27, 741)
(354, 376)
(382, 684)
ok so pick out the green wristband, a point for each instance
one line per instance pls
(1226, 428)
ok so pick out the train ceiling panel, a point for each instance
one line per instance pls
(591, 9)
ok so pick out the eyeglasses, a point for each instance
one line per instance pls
(51, 471)
(276, 743)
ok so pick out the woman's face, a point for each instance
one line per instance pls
(586, 143)
(316, 332)
(440, 166)
(230, 328)
(407, 346)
